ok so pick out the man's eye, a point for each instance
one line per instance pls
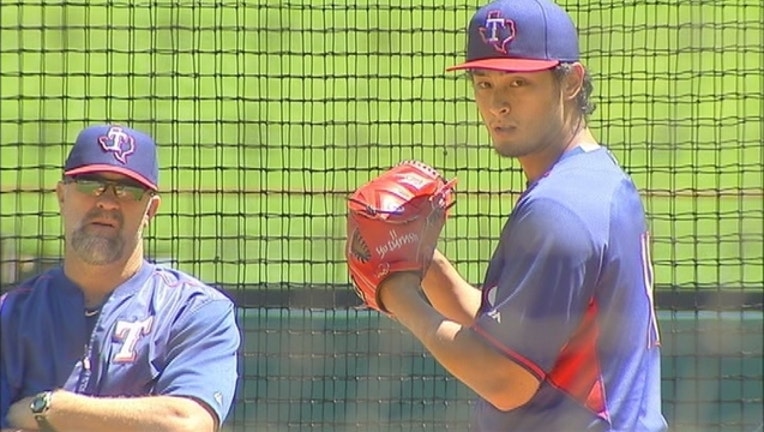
(483, 85)
(517, 83)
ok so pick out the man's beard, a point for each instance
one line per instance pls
(97, 249)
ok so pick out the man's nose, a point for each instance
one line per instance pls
(108, 199)
(500, 106)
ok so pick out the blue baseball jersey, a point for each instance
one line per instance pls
(568, 296)
(162, 332)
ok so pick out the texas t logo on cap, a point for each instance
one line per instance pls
(114, 148)
(498, 31)
(119, 142)
(520, 36)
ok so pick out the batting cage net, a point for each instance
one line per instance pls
(268, 113)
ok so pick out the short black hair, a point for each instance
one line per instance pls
(584, 104)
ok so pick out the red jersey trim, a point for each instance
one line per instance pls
(577, 371)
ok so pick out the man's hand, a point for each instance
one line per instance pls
(20, 416)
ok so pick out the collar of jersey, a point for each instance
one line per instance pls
(566, 154)
(128, 288)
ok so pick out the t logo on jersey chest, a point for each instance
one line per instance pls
(129, 333)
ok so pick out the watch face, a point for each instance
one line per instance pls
(39, 403)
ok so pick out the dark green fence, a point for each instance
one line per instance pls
(342, 370)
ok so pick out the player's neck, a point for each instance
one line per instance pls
(535, 165)
(98, 281)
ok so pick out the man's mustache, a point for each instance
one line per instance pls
(104, 216)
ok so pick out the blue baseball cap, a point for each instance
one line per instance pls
(520, 36)
(117, 149)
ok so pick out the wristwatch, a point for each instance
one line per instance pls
(40, 406)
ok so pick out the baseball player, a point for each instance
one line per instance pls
(563, 335)
(109, 341)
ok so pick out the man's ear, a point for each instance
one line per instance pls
(60, 193)
(152, 208)
(573, 81)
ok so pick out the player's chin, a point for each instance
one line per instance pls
(510, 149)
(96, 249)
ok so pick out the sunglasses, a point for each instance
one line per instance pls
(97, 187)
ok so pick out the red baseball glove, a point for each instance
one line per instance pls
(394, 222)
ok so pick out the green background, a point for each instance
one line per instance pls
(268, 113)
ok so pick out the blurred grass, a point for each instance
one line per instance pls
(267, 113)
